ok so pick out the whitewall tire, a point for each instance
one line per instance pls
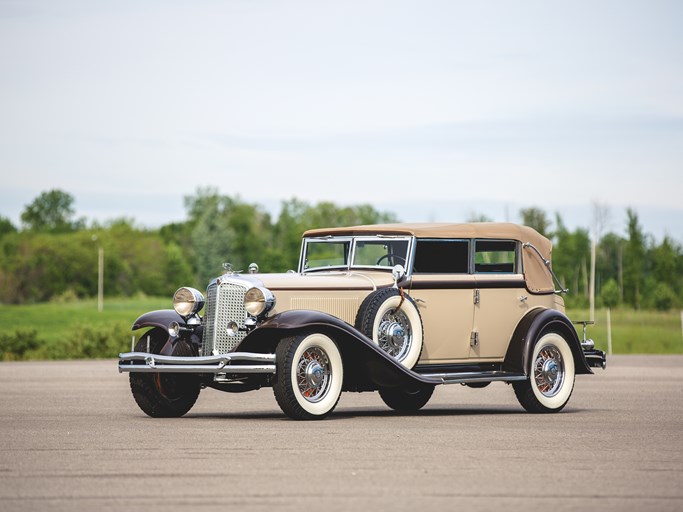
(309, 377)
(551, 376)
(393, 322)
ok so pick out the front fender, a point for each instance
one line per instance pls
(366, 366)
(530, 329)
(161, 318)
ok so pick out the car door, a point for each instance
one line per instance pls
(500, 297)
(443, 288)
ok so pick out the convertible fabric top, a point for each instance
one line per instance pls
(538, 278)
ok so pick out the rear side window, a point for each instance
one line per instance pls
(441, 257)
(495, 256)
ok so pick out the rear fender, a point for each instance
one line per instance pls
(366, 366)
(530, 329)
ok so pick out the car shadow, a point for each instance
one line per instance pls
(347, 414)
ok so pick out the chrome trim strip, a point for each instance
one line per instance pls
(201, 364)
(179, 368)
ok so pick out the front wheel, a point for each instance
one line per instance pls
(309, 376)
(164, 395)
(551, 376)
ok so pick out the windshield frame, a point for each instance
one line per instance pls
(354, 240)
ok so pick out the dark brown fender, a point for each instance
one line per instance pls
(530, 329)
(366, 366)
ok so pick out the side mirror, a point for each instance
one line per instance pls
(398, 273)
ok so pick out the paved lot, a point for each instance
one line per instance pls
(71, 438)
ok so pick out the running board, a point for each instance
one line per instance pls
(472, 377)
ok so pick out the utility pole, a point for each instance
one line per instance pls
(100, 275)
(100, 278)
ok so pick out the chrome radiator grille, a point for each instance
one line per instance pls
(224, 304)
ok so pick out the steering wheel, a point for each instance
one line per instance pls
(387, 256)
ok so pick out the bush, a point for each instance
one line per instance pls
(663, 297)
(14, 346)
(610, 294)
(92, 342)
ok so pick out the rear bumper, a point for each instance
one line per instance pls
(596, 358)
(232, 363)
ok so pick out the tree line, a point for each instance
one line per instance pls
(52, 256)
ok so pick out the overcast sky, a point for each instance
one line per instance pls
(435, 110)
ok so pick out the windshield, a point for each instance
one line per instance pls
(347, 252)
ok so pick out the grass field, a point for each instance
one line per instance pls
(636, 332)
(77, 329)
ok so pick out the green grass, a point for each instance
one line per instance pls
(77, 329)
(635, 332)
(72, 329)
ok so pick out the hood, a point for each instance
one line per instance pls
(353, 280)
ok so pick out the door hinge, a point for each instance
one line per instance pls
(477, 296)
(474, 339)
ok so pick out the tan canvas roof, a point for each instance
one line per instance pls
(537, 275)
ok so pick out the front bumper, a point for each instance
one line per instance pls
(596, 358)
(232, 363)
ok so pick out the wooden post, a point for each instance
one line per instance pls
(609, 332)
(100, 279)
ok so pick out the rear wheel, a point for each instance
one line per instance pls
(551, 376)
(400, 400)
(309, 376)
(164, 395)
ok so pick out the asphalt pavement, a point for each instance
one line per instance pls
(72, 438)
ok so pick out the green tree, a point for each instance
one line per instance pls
(610, 261)
(571, 255)
(634, 258)
(51, 211)
(663, 297)
(6, 226)
(536, 218)
(610, 294)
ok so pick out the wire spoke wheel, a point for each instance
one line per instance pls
(549, 371)
(551, 376)
(313, 374)
(395, 334)
(390, 318)
(309, 376)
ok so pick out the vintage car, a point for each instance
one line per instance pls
(396, 308)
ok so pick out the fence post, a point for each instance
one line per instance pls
(609, 331)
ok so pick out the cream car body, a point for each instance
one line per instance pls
(396, 308)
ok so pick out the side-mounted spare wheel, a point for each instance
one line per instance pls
(551, 376)
(392, 321)
(164, 395)
(309, 376)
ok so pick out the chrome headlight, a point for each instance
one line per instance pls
(187, 301)
(258, 301)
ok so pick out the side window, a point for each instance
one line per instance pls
(495, 256)
(441, 257)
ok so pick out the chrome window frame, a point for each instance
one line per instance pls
(518, 270)
(409, 254)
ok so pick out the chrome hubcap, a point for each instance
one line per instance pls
(395, 335)
(313, 374)
(549, 371)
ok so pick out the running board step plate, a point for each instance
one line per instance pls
(470, 377)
